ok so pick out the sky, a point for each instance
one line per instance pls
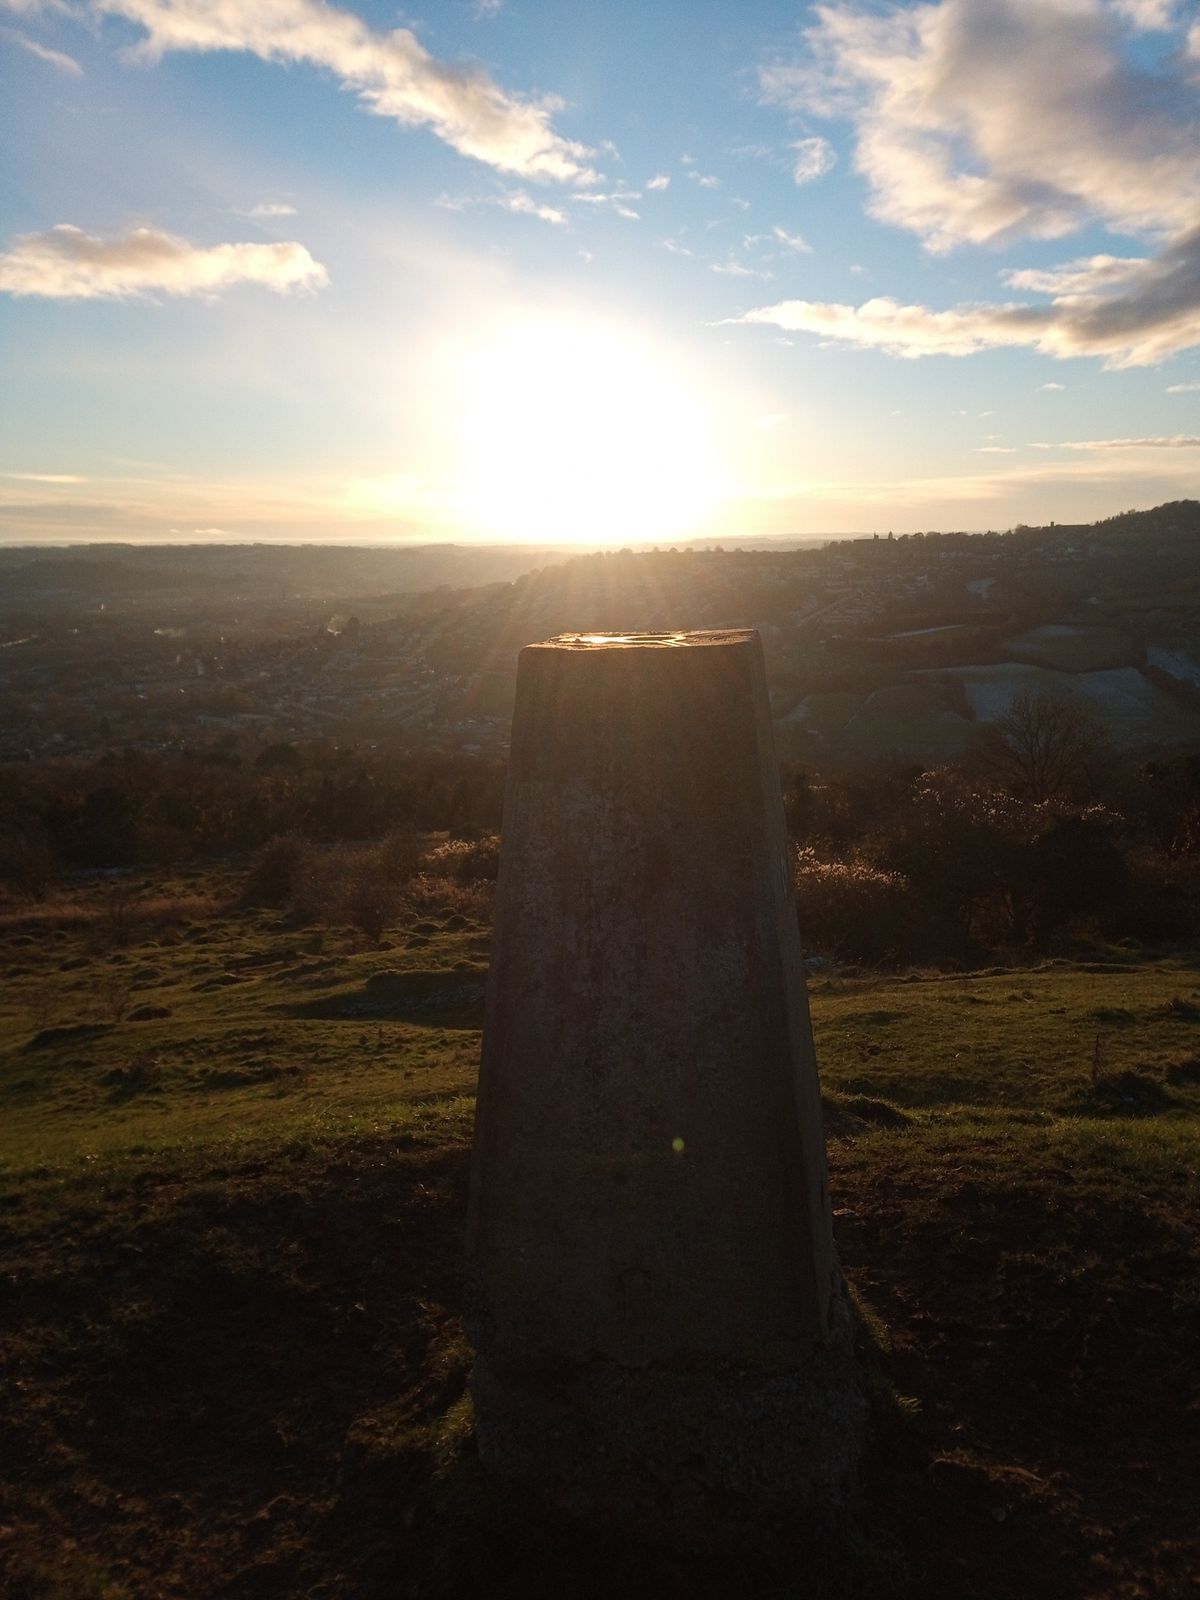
(594, 271)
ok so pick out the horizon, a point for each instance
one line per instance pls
(513, 272)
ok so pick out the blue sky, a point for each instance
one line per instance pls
(571, 270)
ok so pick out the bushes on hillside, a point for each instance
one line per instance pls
(852, 910)
(369, 887)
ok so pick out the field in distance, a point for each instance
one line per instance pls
(233, 1156)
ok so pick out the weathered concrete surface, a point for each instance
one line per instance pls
(652, 1290)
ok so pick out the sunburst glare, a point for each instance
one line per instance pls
(576, 431)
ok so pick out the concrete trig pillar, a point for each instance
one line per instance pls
(652, 1290)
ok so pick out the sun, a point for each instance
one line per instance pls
(574, 431)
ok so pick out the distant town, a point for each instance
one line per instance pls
(887, 646)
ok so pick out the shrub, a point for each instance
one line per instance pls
(274, 874)
(852, 910)
(465, 860)
(425, 893)
(360, 886)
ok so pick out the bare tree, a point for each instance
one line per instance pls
(1044, 745)
(27, 861)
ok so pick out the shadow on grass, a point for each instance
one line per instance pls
(74, 1033)
(1122, 1094)
(245, 1377)
(454, 998)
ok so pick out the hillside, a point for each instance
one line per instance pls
(233, 1159)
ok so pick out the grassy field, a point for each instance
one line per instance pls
(233, 1159)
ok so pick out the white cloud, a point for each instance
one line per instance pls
(1183, 388)
(272, 208)
(813, 159)
(1132, 317)
(620, 200)
(68, 264)
(706, 180)
(44, 477)
(677, 249)
(661, 181)
(793, 241)
(53, 58)
(1092, 275)
(33, 8)
(1177, 441)
(517, 201)
(524, 205)
(735, 269)
(1052, 388)
(996, 449)
(978, 121)
(391, 72)
(1149, 15)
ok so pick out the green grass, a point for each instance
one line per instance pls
(230, 1244)
(269, 1035)
(1022, 1039)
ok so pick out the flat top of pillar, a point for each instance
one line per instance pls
(646, 641)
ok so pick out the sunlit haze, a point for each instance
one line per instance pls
(547, 270)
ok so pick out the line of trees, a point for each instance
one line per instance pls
(1047, 840)
(151, 810)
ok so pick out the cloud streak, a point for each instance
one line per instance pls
(1129, 313)
(53, 58)
(1178, 441)
(391, 72)
(68, 264)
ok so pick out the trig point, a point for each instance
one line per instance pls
(657, 1312)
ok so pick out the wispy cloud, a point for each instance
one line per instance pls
(517, 201)
(391, 72)
(736, 269)
(44, 477)
(793, 241)
(1176, 441)
(53, 58)
(272, 208)
(811, 159)
(1148, 15)
(661, 181)
(1183, 388)
(68, 264)
(621, 201)
(524, 205)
